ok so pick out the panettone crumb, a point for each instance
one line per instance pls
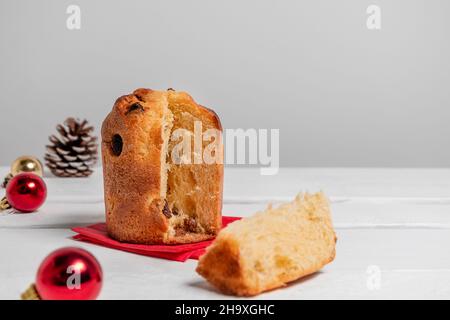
(187, 183)
(167, 129)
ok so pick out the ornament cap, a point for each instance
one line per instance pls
(30, 294)
(4, 204)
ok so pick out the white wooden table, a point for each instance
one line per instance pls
(393, 227)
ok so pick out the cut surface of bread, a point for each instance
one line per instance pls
(191, 191)
(271, 248)
(149, 196)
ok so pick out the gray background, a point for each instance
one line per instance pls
(340, 94)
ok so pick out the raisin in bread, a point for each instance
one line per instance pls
(271, 248)
(150, 196)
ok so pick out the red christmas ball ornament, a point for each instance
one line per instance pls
(26, 192)
(67, 274)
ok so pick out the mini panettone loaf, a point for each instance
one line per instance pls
(271, 248)
(152, 196)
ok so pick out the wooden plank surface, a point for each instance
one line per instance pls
(393, 227)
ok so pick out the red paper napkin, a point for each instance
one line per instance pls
(96, 234)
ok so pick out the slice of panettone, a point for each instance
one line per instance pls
(271, 248)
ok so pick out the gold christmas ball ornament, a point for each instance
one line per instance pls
(27, 164)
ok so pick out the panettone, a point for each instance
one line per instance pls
(154, 191)
(271, 248)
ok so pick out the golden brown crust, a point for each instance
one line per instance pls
(222, 267)
(132, 180)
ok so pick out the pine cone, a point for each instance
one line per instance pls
(74, 152)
